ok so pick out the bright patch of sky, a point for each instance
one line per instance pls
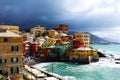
(101, 11)
(112, 34)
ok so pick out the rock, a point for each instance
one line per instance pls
(101, 54)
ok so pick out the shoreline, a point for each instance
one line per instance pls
(35, 73)
(27, 72)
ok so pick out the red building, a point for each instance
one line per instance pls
(34, 47)
(78, 43)
(23, 48)
(43, 53)
(65, 38)
(46, 51)
(62, 27)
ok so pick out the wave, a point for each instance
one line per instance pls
(104, 62)
(42, 65)
(109, 61)
(70, 78)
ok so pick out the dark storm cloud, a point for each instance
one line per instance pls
(80, 15)
(29, 12)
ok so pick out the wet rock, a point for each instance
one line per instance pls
(101, 54)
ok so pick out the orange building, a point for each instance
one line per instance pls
(83, 37)
(10, 55)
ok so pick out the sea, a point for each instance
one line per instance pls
(104, 69)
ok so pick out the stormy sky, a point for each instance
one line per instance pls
(100, 17)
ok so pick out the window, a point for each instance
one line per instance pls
(5, 39)
(3, 61)
(0, 48)
(14, 70)
(14, 60)
(14, 48)
(53, 50)
(58, 50)
(3, 30)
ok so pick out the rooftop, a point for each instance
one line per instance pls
(8, 34)
(61, 34)
(83, 48)
(9, 26)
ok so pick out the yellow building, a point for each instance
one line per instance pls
(47, 43)
(52, 33)
(50, 41)
(10, 54)
(82, 54)
(38, 31)
(83, 37)
(60, 35)
(14, 29)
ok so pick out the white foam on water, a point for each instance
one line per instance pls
(109, 61)
(42, 65)
(56, 74)
(70, 78)
(104, 62)
(81, 68)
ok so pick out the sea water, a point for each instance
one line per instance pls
(105, 69)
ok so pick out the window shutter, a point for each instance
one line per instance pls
(17, 69)
(5, 60)
(11, 70)
(17, 48)
(0, 60)
(17, 59)
(11, 59)
(5, 39)
(12, 48)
